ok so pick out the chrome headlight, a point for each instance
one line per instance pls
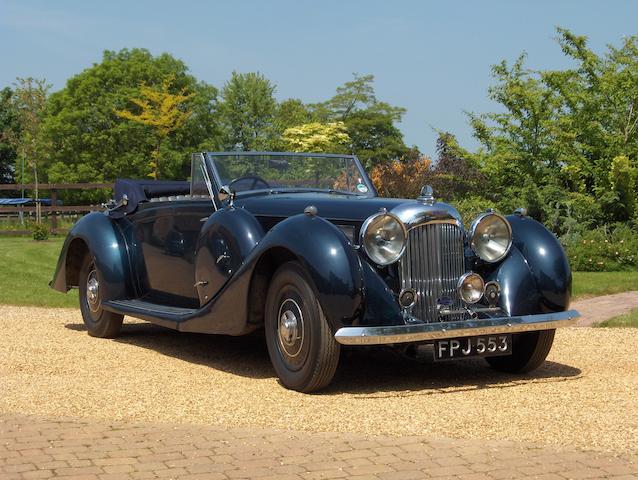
(491, 237)
(383, 237)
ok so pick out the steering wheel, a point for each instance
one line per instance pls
(255, 178)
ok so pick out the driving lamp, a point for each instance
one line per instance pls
(383, 238)
(491, 237)
(470, 287)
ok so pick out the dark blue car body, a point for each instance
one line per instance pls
(199, 264)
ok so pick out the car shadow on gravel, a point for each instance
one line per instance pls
(362, 370)
(377, 371)
(246, 356)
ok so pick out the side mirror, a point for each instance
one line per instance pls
(225, 192)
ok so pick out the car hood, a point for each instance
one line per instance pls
(348, 208)
(329, 205)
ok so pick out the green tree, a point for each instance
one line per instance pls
(622, 178)
(453, 176)
(89, 142)
(9, 128)
(521, 141)
(374, 137)
(163, 112)
(247, 112)
(566, 141)
(370, 123)
(352, 96)
(29, 102)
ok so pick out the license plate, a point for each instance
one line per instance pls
(464, 347)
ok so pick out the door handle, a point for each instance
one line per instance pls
(203, 219)
(223, 257)
(201, 283)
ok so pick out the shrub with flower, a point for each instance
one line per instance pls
(604, 249)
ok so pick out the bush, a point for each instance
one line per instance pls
(40, 232)
(401, 178)
(603, 249)
(469, 207)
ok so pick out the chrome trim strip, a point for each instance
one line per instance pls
(466, 328)
(414, 213)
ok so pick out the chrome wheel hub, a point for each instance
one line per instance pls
(290, 328)
(93, 291)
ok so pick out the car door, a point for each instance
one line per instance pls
(166, 234)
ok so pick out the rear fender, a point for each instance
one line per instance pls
(101, 237)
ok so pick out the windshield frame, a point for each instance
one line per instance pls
(372, 192)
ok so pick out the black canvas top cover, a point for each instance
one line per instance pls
(139, 191)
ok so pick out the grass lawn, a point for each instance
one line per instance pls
(593, 284)
(27, 266)
(627, 320)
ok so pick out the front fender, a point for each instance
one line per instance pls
(330, 260)
(226, 240)
(324, 252)
(100, 236)
(535, 277)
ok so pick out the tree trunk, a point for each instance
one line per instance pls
(157, 158)
(38, 209)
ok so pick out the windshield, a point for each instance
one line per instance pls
(245, 172)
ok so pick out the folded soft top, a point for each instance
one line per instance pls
(139, 191)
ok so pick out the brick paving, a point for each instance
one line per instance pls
(35, 447)
(598, 309)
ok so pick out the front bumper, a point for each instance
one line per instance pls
(466, 328)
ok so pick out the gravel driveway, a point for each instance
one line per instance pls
(584, 396)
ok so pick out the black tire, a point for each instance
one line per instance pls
(99, 322)
(303, 351)
(529, 351)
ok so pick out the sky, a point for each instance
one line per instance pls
(432, 58)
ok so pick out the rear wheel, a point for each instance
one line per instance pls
(529, 351)
(301, 346)
(99, 322)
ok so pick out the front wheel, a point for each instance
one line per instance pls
(529, 351)
(99, 322)
(301, 346)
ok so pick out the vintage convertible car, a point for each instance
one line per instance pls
(302, 245)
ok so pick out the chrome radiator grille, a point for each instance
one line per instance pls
(432, 264)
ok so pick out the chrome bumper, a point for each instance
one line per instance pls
(466, 328)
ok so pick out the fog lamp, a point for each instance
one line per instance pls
(492, 293)
(407, 298)
(470, 287)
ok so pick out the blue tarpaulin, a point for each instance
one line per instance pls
(25, 201)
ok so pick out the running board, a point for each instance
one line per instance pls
(164, 315)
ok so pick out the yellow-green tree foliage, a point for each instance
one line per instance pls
(622, 177)
(162, 111)
(317, 137)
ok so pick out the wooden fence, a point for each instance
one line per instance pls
(52, 211)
